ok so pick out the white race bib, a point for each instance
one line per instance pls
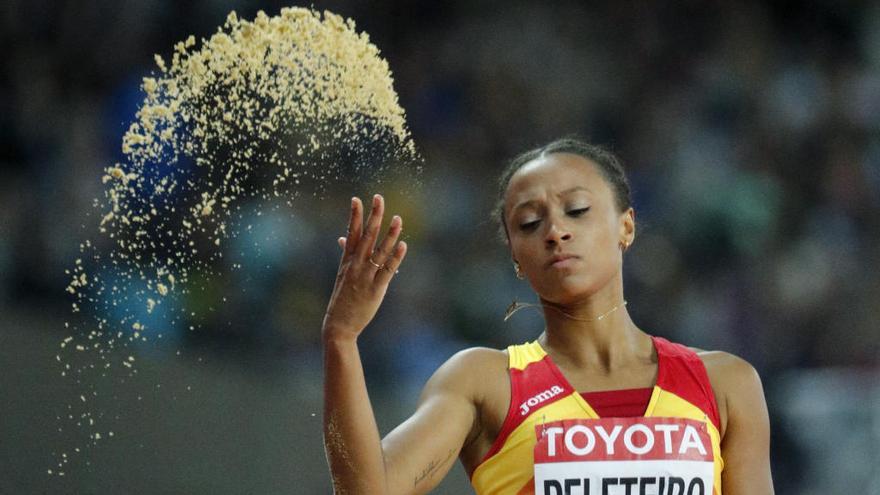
(624, 456)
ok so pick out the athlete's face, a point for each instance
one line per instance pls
(564, 227)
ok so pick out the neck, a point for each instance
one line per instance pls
(576, 334)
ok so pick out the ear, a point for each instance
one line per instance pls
(628, 226)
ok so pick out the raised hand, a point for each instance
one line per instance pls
(364, 271)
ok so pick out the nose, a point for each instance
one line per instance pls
(556, 234)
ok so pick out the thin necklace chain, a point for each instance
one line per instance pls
(516, 306)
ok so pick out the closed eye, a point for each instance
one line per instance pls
(529, 225)
(534, 223)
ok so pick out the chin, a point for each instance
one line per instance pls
(575, 287)
(568, 290)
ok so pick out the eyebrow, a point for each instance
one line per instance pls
(529, 202)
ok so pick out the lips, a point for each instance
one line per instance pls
(561, 260)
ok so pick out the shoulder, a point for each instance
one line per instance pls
(728, 371)
(479, 356)
(471, 370)
(745, 437)
(475, 359)
(477, 378)
(735, 382)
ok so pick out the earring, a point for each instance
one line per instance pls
(519, 273)
(624, 246)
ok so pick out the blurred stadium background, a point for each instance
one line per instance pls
(751, 132)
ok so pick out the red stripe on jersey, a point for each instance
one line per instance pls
(530, 389)
(684, 374)
(619, 403)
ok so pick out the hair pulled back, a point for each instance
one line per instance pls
(608, 163)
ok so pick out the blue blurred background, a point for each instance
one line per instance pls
(751, 133)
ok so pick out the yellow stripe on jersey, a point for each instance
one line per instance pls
(512, 467)
(520, 356)
(670, 405)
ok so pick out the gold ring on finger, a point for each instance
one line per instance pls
(376, 264)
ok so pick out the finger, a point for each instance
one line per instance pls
(342, 241)
(387, 244)
(371, 232)
(383, 276)
(355, 225)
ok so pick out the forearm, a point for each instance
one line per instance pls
(351, 437)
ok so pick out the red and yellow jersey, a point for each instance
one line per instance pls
(552, 441)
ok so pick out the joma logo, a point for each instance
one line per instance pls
(533, 401)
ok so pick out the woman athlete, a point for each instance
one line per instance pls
(595, 405)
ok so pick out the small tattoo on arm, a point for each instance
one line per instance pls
(432, 467)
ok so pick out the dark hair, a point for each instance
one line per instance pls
(608, 163)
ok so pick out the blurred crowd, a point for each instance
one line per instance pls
(750, 132)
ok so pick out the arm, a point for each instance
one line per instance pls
(351, 437)
(418, 451)
(745, 445)
(416, 455)
(422, 449)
